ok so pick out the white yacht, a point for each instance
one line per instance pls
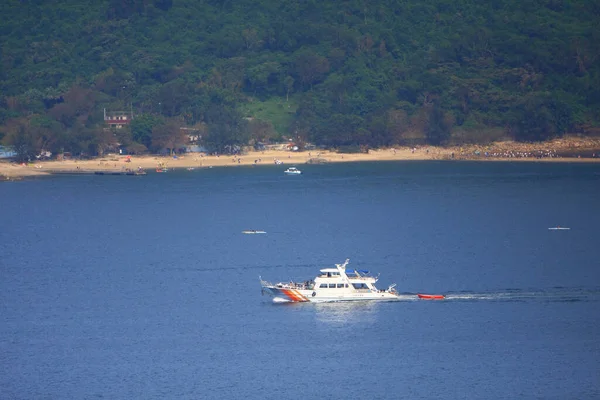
(332, 284)
(292, 171)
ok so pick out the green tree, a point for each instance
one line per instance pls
(288, 82)
(437, 131)
(141, 128)
(310, 67)
(168, 135)
(227, 130)
(22, 138)
(533, 121)
(260, 131)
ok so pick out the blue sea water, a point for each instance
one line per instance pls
(121, 287)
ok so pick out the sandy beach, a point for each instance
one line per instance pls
(559, 150)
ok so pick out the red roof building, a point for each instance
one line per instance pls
(117, 119)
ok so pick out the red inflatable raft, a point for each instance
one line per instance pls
(431, 296)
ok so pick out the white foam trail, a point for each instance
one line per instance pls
(554, 295)
(408, 297)
(280, 300)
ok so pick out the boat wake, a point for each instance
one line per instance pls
(552, 295)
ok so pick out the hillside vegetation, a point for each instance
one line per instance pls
(335, 73)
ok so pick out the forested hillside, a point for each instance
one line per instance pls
(334, 73)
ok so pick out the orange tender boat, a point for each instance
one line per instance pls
(431, 296)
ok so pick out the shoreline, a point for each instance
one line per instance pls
(559, 150)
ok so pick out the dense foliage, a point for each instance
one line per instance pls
(335, 73)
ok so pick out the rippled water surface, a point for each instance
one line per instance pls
(124, 287)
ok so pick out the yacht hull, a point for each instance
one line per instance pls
(290, 295)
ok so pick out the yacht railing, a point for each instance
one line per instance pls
(289, 285)
(264, 283)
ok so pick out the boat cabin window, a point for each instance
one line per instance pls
(360, 286)
(340, 285)
(323, 285)
(332, 285)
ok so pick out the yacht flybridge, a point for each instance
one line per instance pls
(332, 284)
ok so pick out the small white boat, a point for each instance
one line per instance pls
(559, 228)
(292, 171)
(252, 231)
(332, 284)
